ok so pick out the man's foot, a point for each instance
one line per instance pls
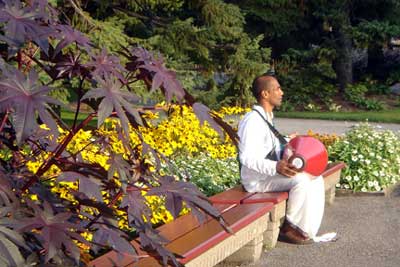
(292, 235)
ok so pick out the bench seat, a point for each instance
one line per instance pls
(255, 219)
(209, 244)
(170, 231)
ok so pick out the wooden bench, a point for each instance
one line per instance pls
(255, 219)
(206, 244)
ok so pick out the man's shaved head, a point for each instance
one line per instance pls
(262, 83)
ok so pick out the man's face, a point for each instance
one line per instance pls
(274, 94)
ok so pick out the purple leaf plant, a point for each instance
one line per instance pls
(38, 226)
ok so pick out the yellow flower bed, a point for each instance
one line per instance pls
(179, 134)
(326, 139)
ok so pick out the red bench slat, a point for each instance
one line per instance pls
(333, 167)
(234, 195)
(273, 197)
(107, 259)
(186, 223)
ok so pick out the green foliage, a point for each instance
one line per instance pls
(378, 32)
(372, 157)
(212, 176)
(394, 77)
(356, 94)
(282, 17)
(306, 76)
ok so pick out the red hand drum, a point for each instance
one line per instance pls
(307, 154)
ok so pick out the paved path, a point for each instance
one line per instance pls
(369, 236)
(301, 126)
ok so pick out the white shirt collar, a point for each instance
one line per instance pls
(268, 116)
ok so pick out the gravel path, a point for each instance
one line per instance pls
(301, 126)
(369, 236)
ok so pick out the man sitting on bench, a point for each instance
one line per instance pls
(263, 170)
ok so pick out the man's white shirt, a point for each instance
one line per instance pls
(256, 141)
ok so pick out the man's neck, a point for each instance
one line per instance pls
(267, 110)
(267, 107)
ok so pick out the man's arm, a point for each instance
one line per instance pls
(254, 145)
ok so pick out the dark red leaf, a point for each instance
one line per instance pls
(57, 232)
(24, 23)
(26, 96)
(114, 98)
(88, 185)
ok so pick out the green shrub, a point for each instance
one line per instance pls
(210, 175)
(356, 94)
(372, 157)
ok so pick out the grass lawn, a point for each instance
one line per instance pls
(68, 117)
(389, 116)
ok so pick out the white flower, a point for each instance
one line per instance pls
(360, 171)
(376, 173)
(338, 185)
(360, 156)
(370, 184)
(348, 178)
(363, 189)
(379, 157)
(367, 161)
(377, 188)
(356, 178)
(354, 158)
(346, 186)
(376, 183)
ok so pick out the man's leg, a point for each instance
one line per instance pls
(305, 206)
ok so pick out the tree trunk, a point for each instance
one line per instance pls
(343, 64)
(376, 61)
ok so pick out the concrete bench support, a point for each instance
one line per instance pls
(275, 221)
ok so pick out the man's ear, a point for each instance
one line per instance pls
(264, 93)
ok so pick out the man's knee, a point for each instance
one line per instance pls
(301, 180)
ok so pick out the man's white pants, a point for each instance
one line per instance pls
(305, 206)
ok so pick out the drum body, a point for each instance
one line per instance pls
(307, 154)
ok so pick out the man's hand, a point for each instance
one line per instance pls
(293, 135)
(285, 168)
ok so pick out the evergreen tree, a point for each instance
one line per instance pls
(204, 41)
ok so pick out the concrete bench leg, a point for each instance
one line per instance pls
(330, 194)
(245, 246)
(250, 253)
(276, 217)
(330, 182)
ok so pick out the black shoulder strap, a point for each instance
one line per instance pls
(281, 139)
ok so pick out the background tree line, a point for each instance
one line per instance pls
(322, 50)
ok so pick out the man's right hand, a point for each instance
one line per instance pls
(285, 168)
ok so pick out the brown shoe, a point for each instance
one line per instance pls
(291, 235)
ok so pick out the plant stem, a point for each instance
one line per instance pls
(3, 122)
(78, 106)
(60, 148)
